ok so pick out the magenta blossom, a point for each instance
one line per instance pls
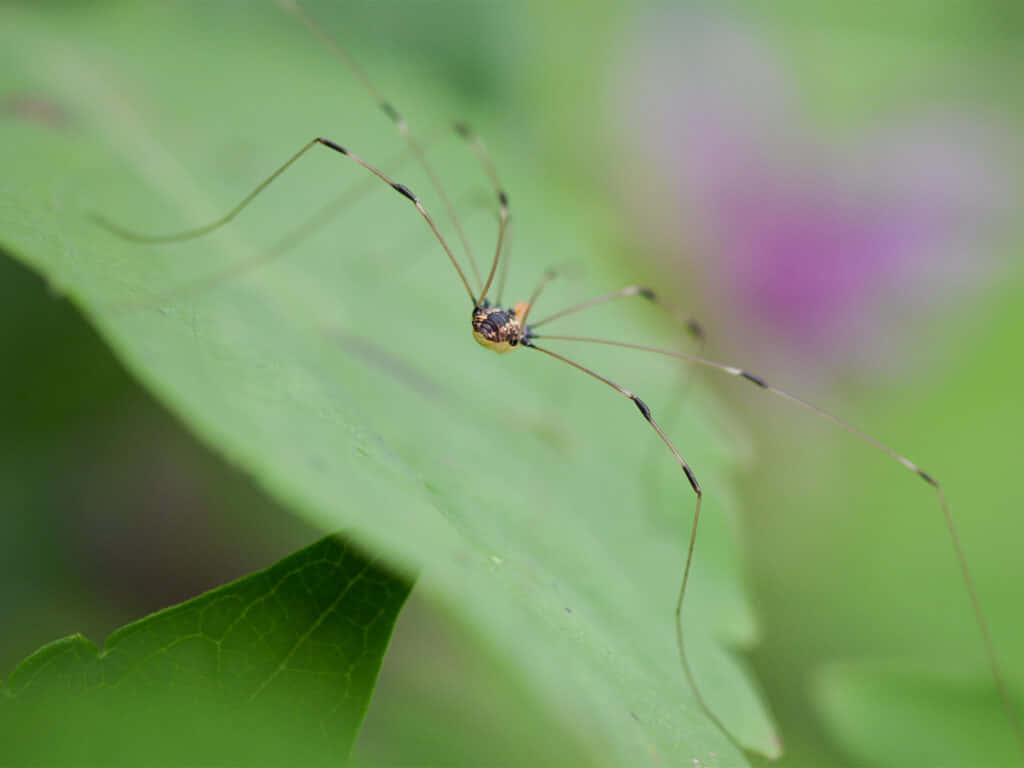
(825, 246)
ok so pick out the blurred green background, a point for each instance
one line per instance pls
(892, 296)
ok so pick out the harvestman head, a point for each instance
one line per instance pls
(504, 329)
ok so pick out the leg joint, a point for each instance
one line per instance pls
(642, 406)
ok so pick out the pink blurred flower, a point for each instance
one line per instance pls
(826, 247)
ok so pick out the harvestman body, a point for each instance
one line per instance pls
(505, 329)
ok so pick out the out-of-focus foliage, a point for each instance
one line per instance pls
(275, 668)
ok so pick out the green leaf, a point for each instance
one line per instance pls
(275, 668)
(545, 513)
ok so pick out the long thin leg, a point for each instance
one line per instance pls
(321, 217)
(400, 188)
(646, 413)
(546, 278)
(502, 224)
(503, 275)
(293, 7)
(979, 616)
(189, 234)
(479, 149)
(692, 326)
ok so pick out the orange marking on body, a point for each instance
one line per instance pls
(520, 310)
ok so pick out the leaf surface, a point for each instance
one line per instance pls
(275, 668)
(543, 510)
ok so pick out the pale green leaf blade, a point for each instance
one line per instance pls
(343, 378)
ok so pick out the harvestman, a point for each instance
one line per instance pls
(504, 329)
